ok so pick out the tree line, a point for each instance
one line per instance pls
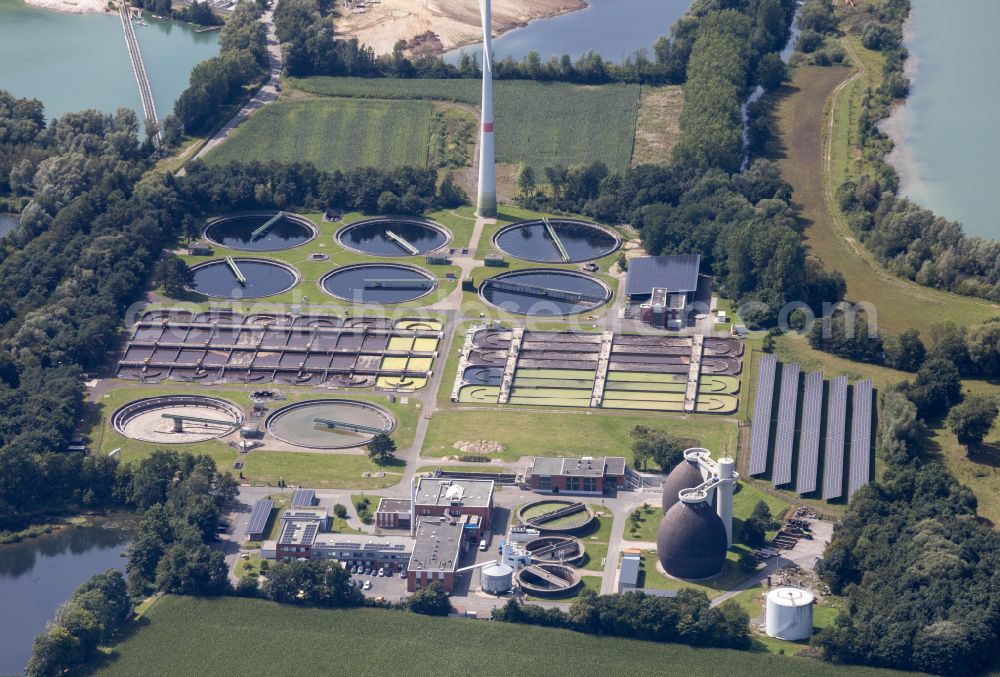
(217, 83)
(907, 239)
(687, 618)
(916, 565)
(196, 12)
(307, 31)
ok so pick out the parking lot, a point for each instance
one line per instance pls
(392, 587)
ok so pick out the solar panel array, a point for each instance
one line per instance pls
(836, 417)
(861, 435)
(785, 434)
(261, 513)
(761, 431)
(812, 417)
(303, 497)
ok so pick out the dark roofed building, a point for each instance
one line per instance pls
(436, 552)
(676, 274)
(585, 475)
(663, 287)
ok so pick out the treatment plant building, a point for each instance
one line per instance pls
(663, 288)
(440, 497)
(591, 476)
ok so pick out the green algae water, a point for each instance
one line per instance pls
(946, 134)
(73, 62)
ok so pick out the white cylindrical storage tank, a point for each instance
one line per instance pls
(497, 579)
(789, 613)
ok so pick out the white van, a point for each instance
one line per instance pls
(483, 545)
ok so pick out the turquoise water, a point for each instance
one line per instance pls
(612, 28)
(947, 135)
(77, 61)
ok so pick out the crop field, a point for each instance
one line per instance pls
(333, 134)
(538, 124)
(226, 636)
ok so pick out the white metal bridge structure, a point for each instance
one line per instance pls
(141, 77)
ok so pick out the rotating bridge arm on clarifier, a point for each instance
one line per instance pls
(544, 292)
(398, 284)
(555, 238)
(401, 243)
(179, 419)
(240, 277)
(267, 226)
(353, 427)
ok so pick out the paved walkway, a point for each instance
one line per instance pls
(265, 95)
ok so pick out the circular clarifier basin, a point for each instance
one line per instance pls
(545, 292)
(257, 278)
(329, 424)
(177, 419)
(548, 579)
(393, 236)
(259, 232)
(378, 283)
(533, 241)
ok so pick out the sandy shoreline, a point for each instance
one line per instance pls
(71, 6)
(897, 125)
(438, 26)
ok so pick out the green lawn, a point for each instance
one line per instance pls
(568, 432)
(333, 134)
(261, 466)
(209, 637)
(539, 124)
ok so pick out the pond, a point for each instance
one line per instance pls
(39, 574)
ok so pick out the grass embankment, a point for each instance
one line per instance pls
(807, 163)
(565, 432)
(261, 466)
(333, 134)
(208, 637)
(538, 124)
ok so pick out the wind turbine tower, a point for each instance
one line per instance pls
(486, 203)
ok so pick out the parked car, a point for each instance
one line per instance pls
(483, 545)
(402, 574)
(367, 585)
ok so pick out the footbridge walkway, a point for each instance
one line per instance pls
(152, 120)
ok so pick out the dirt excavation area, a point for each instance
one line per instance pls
(436, 26)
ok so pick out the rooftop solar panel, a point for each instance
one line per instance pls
(763, 404)
(861, 437)
(303, 497)
(674, 273)
(259, 516)
(812, 416)
(785, 435)
(833, 458)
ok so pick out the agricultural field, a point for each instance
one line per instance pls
(209, 637)
(537, 124)
(333, 134)
(658, 127)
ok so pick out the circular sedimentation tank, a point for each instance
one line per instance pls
(532, 241)
(241, 231)
(548, 579)
(558, 549)
(177, 419)
(569, 523)
(394, 236)
(378, 283)
(260, 278)
(545, 292)
(343, 424)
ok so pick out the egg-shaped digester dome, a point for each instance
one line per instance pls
(685, 475)
(691, 542)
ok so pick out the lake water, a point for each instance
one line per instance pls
(612, 28)
(77, 61)
(39, 574)
(946, 134)
(8, 222)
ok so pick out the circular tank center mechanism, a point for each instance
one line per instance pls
(329, 423)
(545, 292)
(556, 241)
(242, 278)
(177, 419)
(555, 516)
(378, 283)
(397, 236)
(260, 231)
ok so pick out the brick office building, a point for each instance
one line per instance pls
(591, 476)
